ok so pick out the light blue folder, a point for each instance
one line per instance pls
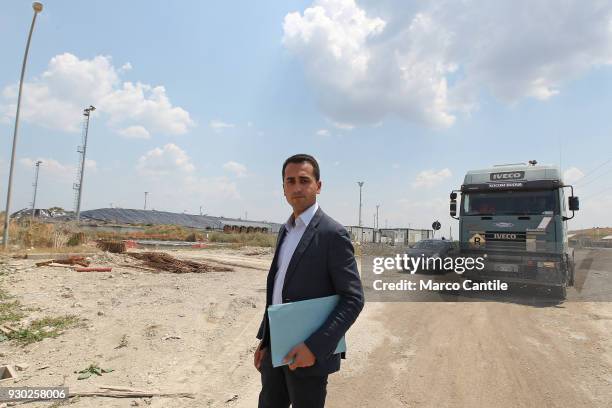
(292, 323)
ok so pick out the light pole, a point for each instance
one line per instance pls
(87, 114)
(35, 187)
(377, 205)
(37, 9)
(360, 183)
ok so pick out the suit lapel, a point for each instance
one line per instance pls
(273, 268)
(310, 232)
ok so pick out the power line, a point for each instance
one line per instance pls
(581, 180)
(596, 178)
(599, 192)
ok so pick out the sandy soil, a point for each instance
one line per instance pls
(195, 333)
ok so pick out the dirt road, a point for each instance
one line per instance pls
(404, 354)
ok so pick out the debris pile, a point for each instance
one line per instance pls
(73, 260)
(164, 262)
(116, 247)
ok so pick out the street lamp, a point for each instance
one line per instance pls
(37, 9)
(79, 186)
(360, 183)
(377, 205)
(35, 185)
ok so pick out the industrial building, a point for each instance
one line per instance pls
(391, 236)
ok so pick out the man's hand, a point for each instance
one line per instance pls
(260, 352)
(301, 356)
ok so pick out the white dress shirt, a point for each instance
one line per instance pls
(290, 242)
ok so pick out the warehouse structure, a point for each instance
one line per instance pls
(392, 236)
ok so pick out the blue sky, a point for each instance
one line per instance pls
(199, 103)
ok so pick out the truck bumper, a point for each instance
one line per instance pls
(540, 269)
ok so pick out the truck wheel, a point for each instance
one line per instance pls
(558, 292)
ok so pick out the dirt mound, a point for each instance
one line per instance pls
(168, 263)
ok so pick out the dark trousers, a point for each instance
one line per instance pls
(280, 387)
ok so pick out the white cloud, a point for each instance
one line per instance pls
(431, 178)
(134, 132)
(428, 61)
(57, 170)
(167, 160)
(126, 67)
(174, 167)
(322, 132)
(239, 170)
(91, 165)
(48, 165)
(56, 98)
(343, 126)
(210, 189)
(572, 175)
(218, 126)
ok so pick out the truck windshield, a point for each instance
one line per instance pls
(511, 203)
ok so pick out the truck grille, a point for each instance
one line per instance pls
(508, 240)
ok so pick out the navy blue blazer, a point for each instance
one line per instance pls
(323, 264)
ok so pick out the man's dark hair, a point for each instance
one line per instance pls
(301, 158)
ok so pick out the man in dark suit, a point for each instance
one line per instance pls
(313, 258)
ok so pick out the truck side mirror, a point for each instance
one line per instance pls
(574, 203)
(453, 208)
(453, 204)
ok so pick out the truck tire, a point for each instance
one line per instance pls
(558, 292)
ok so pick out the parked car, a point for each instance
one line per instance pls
(431, 248)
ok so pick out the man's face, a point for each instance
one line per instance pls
(300, 186)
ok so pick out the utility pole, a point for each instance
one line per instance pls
(35, 185)
(360, 183)
(7, 212)
(83, 151)
(145, 201)
(377, 205)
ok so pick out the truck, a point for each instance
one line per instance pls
(515, 217)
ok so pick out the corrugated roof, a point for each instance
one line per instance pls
(133, 216)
